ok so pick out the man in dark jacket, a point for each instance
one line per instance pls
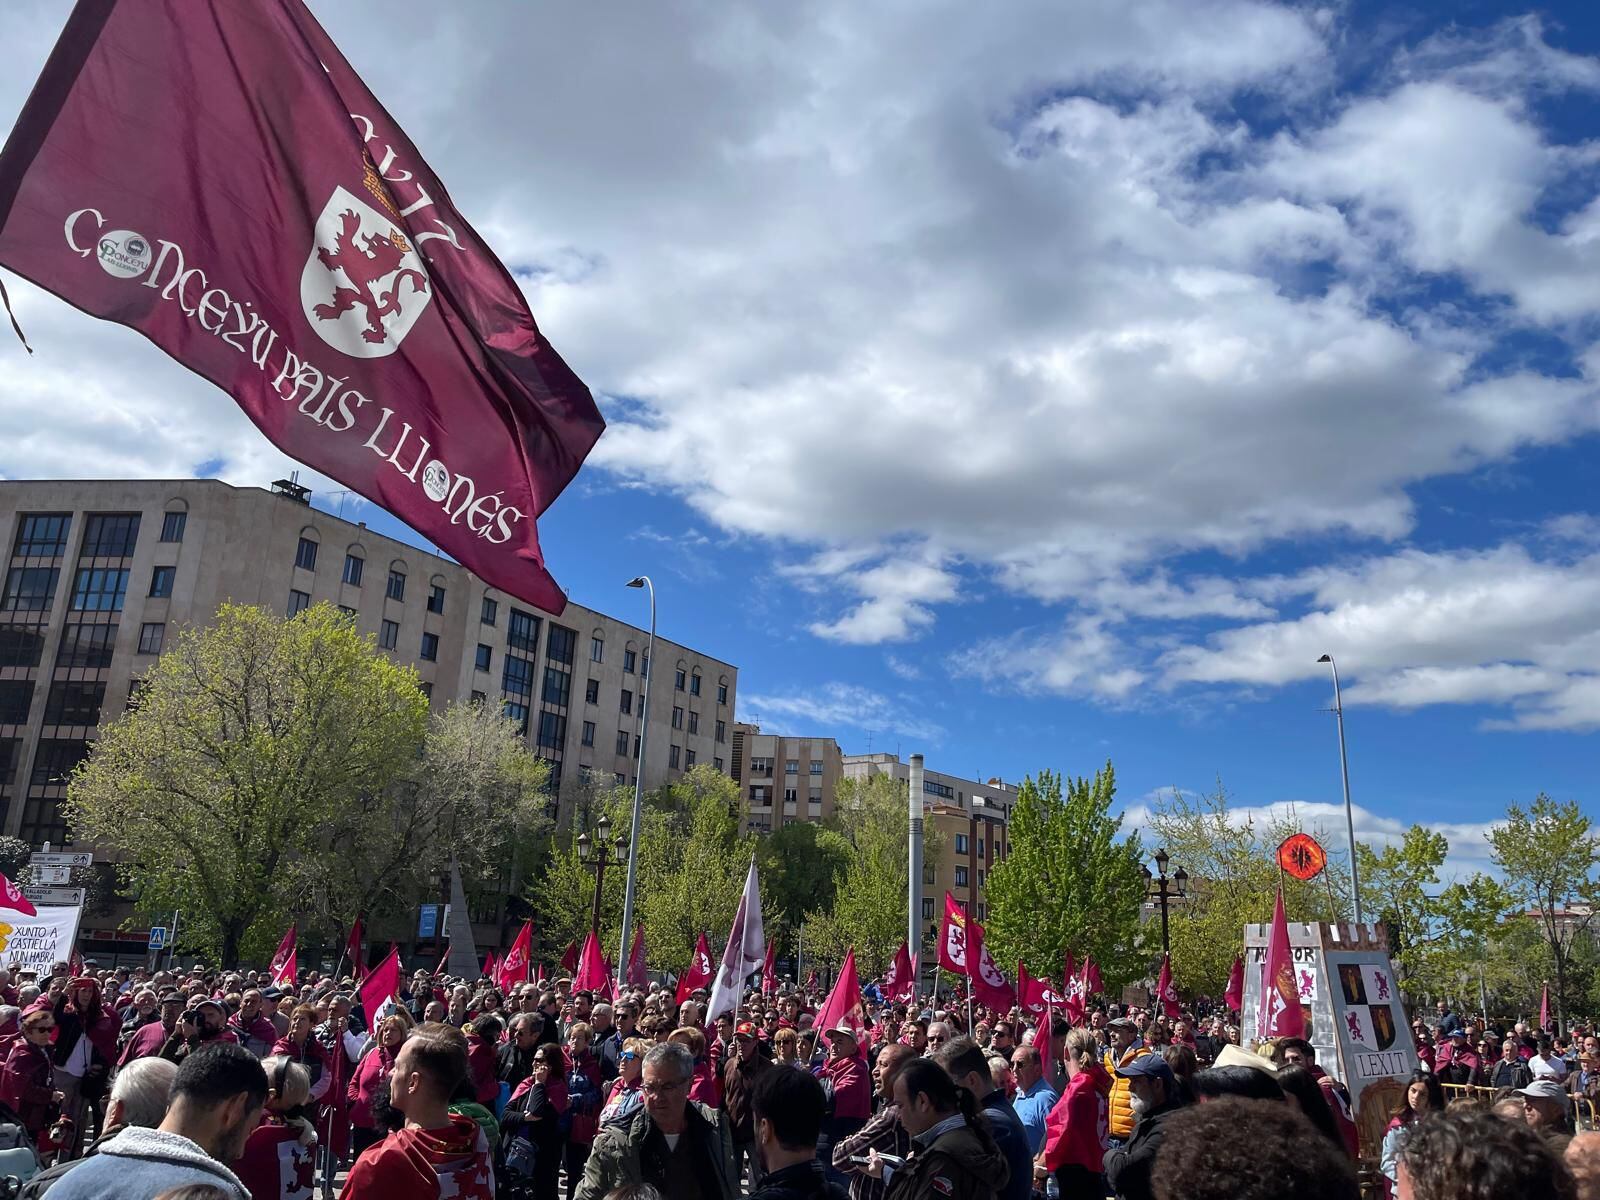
(1153, 1092)
(965, 1062)
(788, 1106)
(883, 1132)
(739, 1077)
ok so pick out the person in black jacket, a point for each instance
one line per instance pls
(1153, 1093)
(966, 1063)
(513, 1060)
(788, 1108)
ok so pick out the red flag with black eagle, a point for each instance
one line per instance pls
(276, 232)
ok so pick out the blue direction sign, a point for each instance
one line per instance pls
(158, 937)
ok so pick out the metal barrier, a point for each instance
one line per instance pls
(1584, 1114)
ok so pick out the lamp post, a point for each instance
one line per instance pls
(1156, 888)
(639, 581)
(597, 856)
(1344, 775)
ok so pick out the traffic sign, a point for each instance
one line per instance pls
(54, 895)
(158, 937)
(49, 875)
(61, 858)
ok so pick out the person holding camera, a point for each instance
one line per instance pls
(162, 1038)
(204, 1023)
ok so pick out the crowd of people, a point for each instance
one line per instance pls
(218, 1086)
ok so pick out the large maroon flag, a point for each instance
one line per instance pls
(843, 1005)
(901, 981)
(1279, 1014)
(275, 231)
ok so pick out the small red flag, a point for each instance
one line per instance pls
(1092, 983)
(953, 937)
(513, 968)
(1035, 995)
(1234, 996)
(811, 980)
(699, 972)
(283, 966)
(989, 986)
(638, 976)
(1167, 990)
(11, 897)
(901, 981)
(380, 986)
(591, 976)
(569, 958)
(352, 950)
(843, 1005)
(488, 966)
(1279, 1014)
(438, 967)
(769, 978)
(1544, 1008)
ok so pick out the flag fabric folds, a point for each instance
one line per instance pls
(488, 965)
(378, 990)
(592, 975)
(513, 968)
(699, 972)
(746, 948)
(637, 975)
(989, 986)
(843, 1005)
(953, 937)
(1035, 995)
(11, 897)
(1166, 990)
(569, 958)
(769, 977)
(901, 981)
(352, 950)
(1092, 984)
(1234, 996)
(277, 233)
(283, 967)
(1279, 1014)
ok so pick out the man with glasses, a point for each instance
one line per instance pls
(938, 1035)
(679, 1147)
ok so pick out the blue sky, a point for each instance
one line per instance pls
(1033, 389)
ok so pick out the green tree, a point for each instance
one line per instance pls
(252, 739)
(1233, 877)
(1069, 882)
(800, 863)
(693, 872)
(1549, 853)
(564, 890)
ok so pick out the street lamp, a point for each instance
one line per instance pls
(1344, 774)
(640, 581)
(597, 856)
(1156, 888)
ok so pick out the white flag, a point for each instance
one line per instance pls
(744, 954)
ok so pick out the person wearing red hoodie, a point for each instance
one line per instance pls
(1077, 1129)
(375, 1066)
(436, 1153)
(26, 1085)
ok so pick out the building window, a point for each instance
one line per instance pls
(517, 714)
(86, 646)
(151, 636)
(389, 635)
(622, 743)
(677, 717)
(927, 909)
(172, 526)
(74, 702)
(54, 760)
(298, 602)
(722, 731)
(305, 555)
(961, 877)
(161, 581)
(760, 795)
(980, 876)
(927, 875)
(791, 766)
(814, 797)
(557, 687)
(517, 677)
(630, 660)
(636, 747)
(627, 703)
(694, 684)
(16, 698)
(694, 723)
(552, 730)
(522, 631)
(436, 598)
(396, 587)
(110, 535)
(980, 854)
(42, 535)
(790, 795)
(30, 589)
(485, 656)
(717, 763)
(938, 789)
(961, 843)
(23, 645)
(816, 766)
(490, 612)
(761, 766)
(430, 646)
(591, 692)
(99, 590)
(348, 613)
(588, 733)
(680, 679)
(597, 650)
(722, 693)
(353, 566)
(560, 644)
(644, 664)
(688, 759)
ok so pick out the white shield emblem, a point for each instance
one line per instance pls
(364, 285)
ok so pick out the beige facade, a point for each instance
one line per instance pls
(784, 779)
(102, 574)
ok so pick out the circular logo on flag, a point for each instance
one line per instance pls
(124, 254)
(436, 480)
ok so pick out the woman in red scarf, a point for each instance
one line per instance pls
(299, 1046)
(85, 1048)
(535, 1111)
(371, 1071)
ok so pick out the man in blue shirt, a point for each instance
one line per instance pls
(1035, 1097)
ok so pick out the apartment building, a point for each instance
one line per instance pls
(101, 574)
(784, 779)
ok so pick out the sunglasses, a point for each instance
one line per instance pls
(627, 1056)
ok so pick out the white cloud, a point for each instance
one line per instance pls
(820, 711)
(896, 594)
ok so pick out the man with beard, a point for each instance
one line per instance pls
(1153, 1096)
(216, 1101)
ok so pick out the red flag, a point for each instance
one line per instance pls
(438, 967)
(380, 986)
(769, 978)
(11, 897)
(989, 986)
(1036, 995)
(1279, 1014)
(953, 937)
(591, 976)
(488, 966)
(901, 982)
(285, 240)
(283, 966)
(1234, 996)
(352, 950)
(843, 1005)
(811, 980)
(1166, 990)
(513, 968)
(1544, 1008)
(699, 972)
(1070, 971)
(1092, 984)
(638, 976)
(569, 958)
(539, 977)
